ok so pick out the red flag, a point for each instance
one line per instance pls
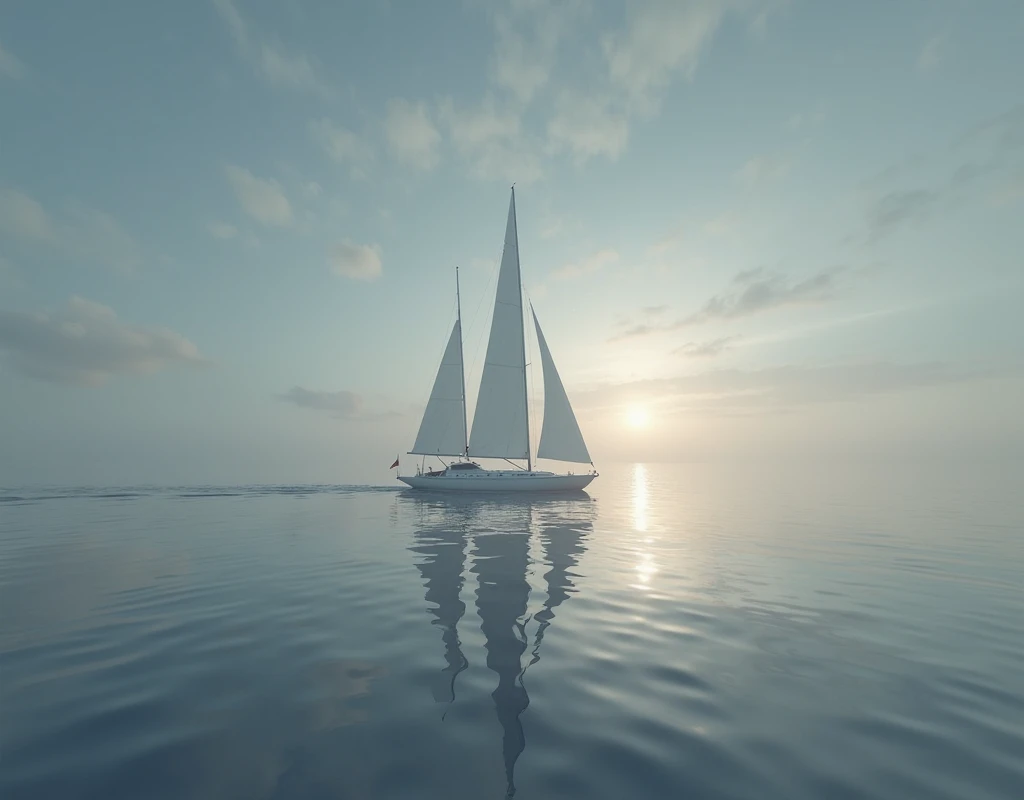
(394, 465)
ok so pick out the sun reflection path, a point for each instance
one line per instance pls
(645, 567)
(640, 497)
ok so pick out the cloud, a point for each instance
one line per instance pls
(96, 235)
(341, 145)
(752, 292)
(893, 210)
(527, 37)
(520, 64)
(357, 261)
(805, 120)
(587, 126)
(222, 230)
(654, 310)
(344, 403)
(492, 141)
(82, 234)
(755, 291)
(10, 65)
(931, 54)
(23, 217)
(411, 134)
(270, 61)
(707, 349)
(721, 225)
(591, 263)
(979, 162)
(263, 200)
(667, 37)
(85, 344)
(763, 168)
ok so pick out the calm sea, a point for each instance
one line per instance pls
(680, 632)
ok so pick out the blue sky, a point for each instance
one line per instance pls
(228, 229)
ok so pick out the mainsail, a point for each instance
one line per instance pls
(560, 436)
(500, 424)
(443, 429)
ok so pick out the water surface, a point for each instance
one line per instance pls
(675, 632)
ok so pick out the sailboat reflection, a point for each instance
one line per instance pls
(501, 533)
(441, 538)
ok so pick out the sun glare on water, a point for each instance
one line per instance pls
(638, 417)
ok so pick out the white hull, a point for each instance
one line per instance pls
(499, 481)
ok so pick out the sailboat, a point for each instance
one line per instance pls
(501, 423)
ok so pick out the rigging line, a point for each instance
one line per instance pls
(532, 410)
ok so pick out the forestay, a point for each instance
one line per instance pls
(560, 436)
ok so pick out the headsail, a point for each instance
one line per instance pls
(443, 429)
(560, 436)
(500, 424)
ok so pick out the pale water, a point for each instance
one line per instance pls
(683, 632)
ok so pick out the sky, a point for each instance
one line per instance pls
(753, 230)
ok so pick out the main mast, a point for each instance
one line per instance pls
(462, 367)
(522, 341)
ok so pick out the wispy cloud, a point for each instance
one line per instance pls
(24, 217)
(97, 236)
(587, 126)
(707, 349)
(342, 145)
(894, 210)
(10, 65)
(222, 230)
(585, 266)
(755, 291)
(270, 60)
(342, 402)
(356, 261)
(263, 200)
(932, 53)
(764, 168)
(664, 38)
(492, 141)
(750, 292)
(411, 134)
(85, 344)
(80, 234)
(982, 161)
(807, 120)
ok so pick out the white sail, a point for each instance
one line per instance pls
(443, 429)
(500, 424)
(560, 436)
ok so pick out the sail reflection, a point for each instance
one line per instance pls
(441, 539)
(501, 533)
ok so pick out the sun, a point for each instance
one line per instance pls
(638, 417)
